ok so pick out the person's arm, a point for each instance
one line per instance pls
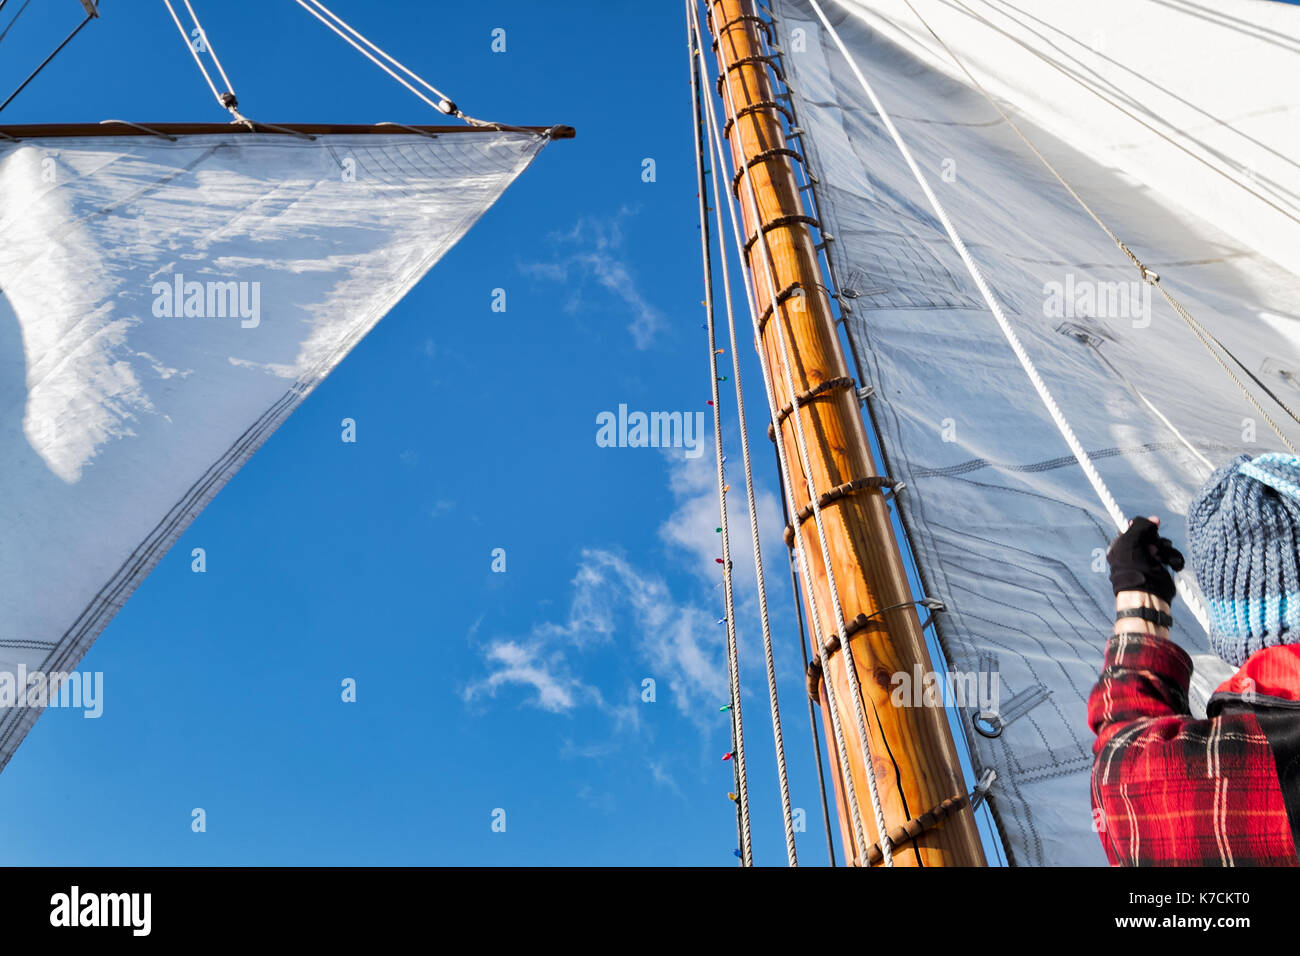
(1145, 675)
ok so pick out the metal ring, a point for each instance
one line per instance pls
(995, 729)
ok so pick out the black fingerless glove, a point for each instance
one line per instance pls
(1138, 558)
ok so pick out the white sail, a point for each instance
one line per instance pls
(165, 305)
(1006, 529)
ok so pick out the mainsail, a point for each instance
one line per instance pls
(1192, 164)
(170, 295)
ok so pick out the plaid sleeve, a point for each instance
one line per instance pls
(1171, 790)
(1144, 676)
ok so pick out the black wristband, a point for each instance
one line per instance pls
(1149, 614)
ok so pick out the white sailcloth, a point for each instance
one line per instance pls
(1006, 529)
(164, 307)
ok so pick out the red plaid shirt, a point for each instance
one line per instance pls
(1170, 790)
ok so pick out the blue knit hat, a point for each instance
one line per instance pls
(1244, 532)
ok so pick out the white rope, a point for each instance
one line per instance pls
(185, 37)
(212, 50)
(769, 659)
(373, 59)
(445, 106)
(350, 34)
(733, 660)
(801, 444)
(1062, 424)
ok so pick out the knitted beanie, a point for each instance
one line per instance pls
(1244, 532)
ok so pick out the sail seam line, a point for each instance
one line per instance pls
(1147, 274)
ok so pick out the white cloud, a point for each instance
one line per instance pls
(593, 250)
(692, 524)
(515, 663)
(676, 642)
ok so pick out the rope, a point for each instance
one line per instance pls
(5, 33)
(854, 689)
(46, 62)
(733, 662)
(212, 50)
(351, 35)
(801, 443)
(717, 156)
(769, 660)
(812, 717)
(1148, 275)
(228, 100)
(1063, 425)
(918, 826)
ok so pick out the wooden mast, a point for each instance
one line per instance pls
(915, 759)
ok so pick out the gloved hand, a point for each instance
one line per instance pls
(1138, 558)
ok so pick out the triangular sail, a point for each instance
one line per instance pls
(167, 301)
(1006, 529)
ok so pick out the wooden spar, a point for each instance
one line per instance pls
(914, 757)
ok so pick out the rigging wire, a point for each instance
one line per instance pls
(46, 62)
(850, 667)
(733, 661)
(770, 381)
(4, 33)
(212, 50)
(368, 49)
(1063, 426)
(228, 100)
(769, 660)
(1200, 159)
(812, 717)
(1201, 333)
(444, 105)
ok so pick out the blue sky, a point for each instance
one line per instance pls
(476, 431)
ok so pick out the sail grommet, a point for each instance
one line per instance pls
(988, 725)
(991, 724)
